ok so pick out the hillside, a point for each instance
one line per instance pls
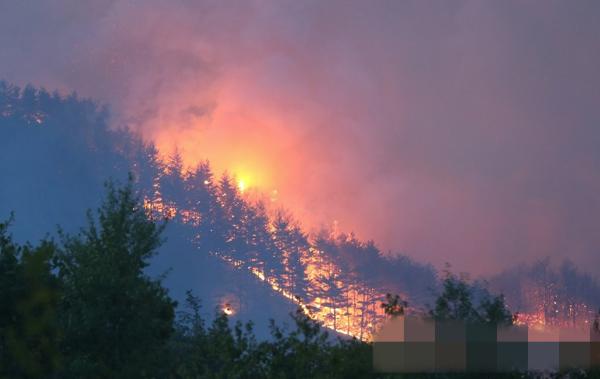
(57, 151)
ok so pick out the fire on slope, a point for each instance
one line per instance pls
(358, 317)
(354, 307)
(353, 311)
(557, 314)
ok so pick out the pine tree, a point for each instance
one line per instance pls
(147, 170)
(292, 244)
(172, 185)
(234, 225)
(332, 293)
(203, 199)
(261, 248)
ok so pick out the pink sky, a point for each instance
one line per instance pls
(465, 132)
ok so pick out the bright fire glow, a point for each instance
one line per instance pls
(358, 313)
(228, 310)
(353, 320)
(242, 185)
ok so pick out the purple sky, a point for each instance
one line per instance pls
(462, 131)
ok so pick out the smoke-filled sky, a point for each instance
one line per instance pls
(465, 132)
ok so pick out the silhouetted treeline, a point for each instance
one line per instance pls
(56, 151)
(83, 307)
(55, 154)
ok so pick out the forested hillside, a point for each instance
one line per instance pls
(57, 151)
(65, 150)
(170, 254)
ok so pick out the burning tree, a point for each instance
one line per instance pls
(394, 305)
(292, 244)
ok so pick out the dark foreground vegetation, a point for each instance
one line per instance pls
(83, 307)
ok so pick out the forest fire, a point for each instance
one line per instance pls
(349, 320)
(584, 315)
(347, 308)
(312, 273)
(284, 179)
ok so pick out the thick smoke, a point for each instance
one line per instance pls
(465, 132)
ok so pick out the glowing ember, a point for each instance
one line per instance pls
(228, 309)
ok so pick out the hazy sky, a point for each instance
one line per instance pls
(456, 131)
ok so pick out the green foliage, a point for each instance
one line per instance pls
(220, 351)
(28, 320)
(87, 309)
(457, 302)
(299, 354)
(116, 320)
(214, 352)
(493, 310)
(308, 352)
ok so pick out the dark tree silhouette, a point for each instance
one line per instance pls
(116, 320)
(394, 305)
(29, 333)
(293, 246)
(457, 302)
